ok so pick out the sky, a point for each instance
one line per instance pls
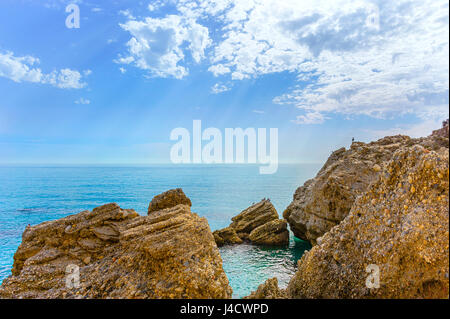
(112, 90)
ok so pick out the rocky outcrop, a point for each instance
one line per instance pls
(169, 199)
(268, 290)
(324, 201)
(442, 132)
(258, 224)
(400, 226)
(271, 233)
(226, 236)
(169, 254)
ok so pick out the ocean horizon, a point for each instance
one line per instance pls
(39, 193)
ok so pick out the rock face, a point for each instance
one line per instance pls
(400, 224)
(258, 224)
(271, 233)
(226, 236)
(324, 201)
(442, 132)
(169, 199)
(268, 290)
(119, 254)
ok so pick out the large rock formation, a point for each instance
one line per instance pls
(169, 254)
(258, 224)
(400, 225)
(168, 199)
(324, 201)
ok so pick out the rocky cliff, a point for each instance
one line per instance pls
(399, 227)
(258, 224)
(324, 201)
(169, 254)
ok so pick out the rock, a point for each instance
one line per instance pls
(442, 132)
(272, 233)
(169, 254)
(226, 236)
(261, 220)
(405, 234)
(268, 290)
(253, 217)
(169, 199)
(324, 201)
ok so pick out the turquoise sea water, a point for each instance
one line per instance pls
(31, 195)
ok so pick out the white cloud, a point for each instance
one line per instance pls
(258, 112)
(310, 118)
(219, 88)
(82, 101)
(96, 9)
(127, 14)
(219, 69)
(376, 58)
(424, 128)
(122, 70)
(23, 69)
(155, 5)
(157, 45)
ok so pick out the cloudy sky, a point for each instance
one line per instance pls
(321, 72)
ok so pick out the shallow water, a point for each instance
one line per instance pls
(31, 195)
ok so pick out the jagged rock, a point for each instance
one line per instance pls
(268, 290)
(253, 217)
(169, 254)
(226, 236)
(400, 224)
(168, 199)
(324, 201)
(272, 233)
(261, 220)
(442, 132)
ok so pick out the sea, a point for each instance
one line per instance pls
(35, 194)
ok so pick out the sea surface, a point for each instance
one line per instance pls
(31, 195)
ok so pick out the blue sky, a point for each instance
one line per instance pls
(321, 72)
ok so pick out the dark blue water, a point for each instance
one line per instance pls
(31, 195)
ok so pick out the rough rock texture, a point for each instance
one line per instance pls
(252, 217)
(268, 290)
(169, 254)
(226, 236)
(442, 132)
(262, 219)
(401, 224)
(271, 233)
(326, 200)
(169, 199)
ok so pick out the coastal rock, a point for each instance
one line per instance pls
(400, 225)
(226, 236)
(272, 233)
(169, 254)
(168, 199)
(324, 201)
(258, 224)
(268, 290)
(442, 132)
(253, 217)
